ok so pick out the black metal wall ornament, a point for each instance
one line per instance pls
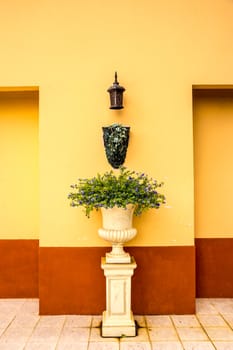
(116, 140)
(116, 95)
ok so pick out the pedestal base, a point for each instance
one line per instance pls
(118, 329)
(118, 318)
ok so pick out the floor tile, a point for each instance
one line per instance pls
(142, 336)
(11, 346)
(40, 346)
(5, 320)
(45, 334)
(74, 335)
(185, 321)
(71, 346)
(16, 335)
(30, 306)
(158, 321)
(201, 345)
(204, 306)
(168, 345)
(9, 308)
(103, 346)
(140, 320)
(96, 321)
(25, 320)
(219, 333)
(186, 333)
(51, 321)
(21, 328)
(221, 300)
(223, 345)
(156, 334)
(223, 305)
(13, 300)
(95, 336)
(78, 321)
(212, 320)
(135, 346)
(229, 319)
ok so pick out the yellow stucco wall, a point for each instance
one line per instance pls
(213, 144)
(19, 171)
(70, 49)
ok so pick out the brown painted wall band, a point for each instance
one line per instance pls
(19, 268)
(214, 267)
(71, 280)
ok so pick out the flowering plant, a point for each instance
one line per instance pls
(109, 190)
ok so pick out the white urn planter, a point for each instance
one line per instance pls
(117, 229)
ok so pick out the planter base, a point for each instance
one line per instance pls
(118, 320)
(118, 259)
(118, 238)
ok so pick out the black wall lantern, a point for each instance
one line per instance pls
(116, 95)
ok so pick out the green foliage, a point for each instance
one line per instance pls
(116, 138)
(109, 190)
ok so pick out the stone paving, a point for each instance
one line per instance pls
(21, 328)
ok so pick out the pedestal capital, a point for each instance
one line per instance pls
(114, 266)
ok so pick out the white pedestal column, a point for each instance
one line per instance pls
(118, 318)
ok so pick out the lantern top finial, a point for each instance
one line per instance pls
(116, 82)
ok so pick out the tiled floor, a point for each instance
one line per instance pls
(22, 328)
